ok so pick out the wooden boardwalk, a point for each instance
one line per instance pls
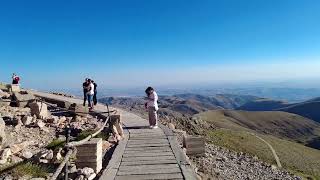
(144, 153)
(148, 155)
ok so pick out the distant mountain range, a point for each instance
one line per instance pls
(288, 94)
(186, 103)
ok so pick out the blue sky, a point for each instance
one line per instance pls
(157, 42)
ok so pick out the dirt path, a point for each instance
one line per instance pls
(271, 148)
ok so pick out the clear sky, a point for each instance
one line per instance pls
(56, 43)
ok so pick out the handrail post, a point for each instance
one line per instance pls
(68, 132)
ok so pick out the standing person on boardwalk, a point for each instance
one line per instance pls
(15, 79)
(90, 94)
(85, 86)
(152, 106)
(95, 100)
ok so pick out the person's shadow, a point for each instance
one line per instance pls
(137, 127)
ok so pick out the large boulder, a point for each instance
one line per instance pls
(23, 98)
(15, 88)
(39, 109)
(79, 109)
(2, 132)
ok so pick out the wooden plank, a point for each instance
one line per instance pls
(148, 154)
(148, 151)
(155, 158)
(147, 148)
(153, 176)
(148, 140)
(148, 171)
(151, 166)
(145, 132)
(150, 162)
(147, 145)
(147, 137)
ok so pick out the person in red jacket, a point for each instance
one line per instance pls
(15, 79)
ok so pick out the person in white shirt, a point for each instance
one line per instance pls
(90, 94)
(152, 106)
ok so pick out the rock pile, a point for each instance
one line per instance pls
(225, 164)
(27, 127)
(62, 94)
(86, 174)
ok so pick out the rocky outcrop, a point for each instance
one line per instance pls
(23, 98)
(39, 109)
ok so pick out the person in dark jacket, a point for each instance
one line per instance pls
(85, 87)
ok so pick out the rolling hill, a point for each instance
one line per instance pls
(308, 109)
(276, 123)
(287, 133)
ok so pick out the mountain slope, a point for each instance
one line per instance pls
(263, 105)
(286, 132)
(308, 109)
(279, 124)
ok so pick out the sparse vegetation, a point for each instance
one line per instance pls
(85, 134)
(55, 144)
(30, 169)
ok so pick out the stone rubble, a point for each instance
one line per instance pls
(86, 174)
(27, 127)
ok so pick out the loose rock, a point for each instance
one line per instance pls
(27, 154)
(5, 154)
(27, 120)
(2, 132)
